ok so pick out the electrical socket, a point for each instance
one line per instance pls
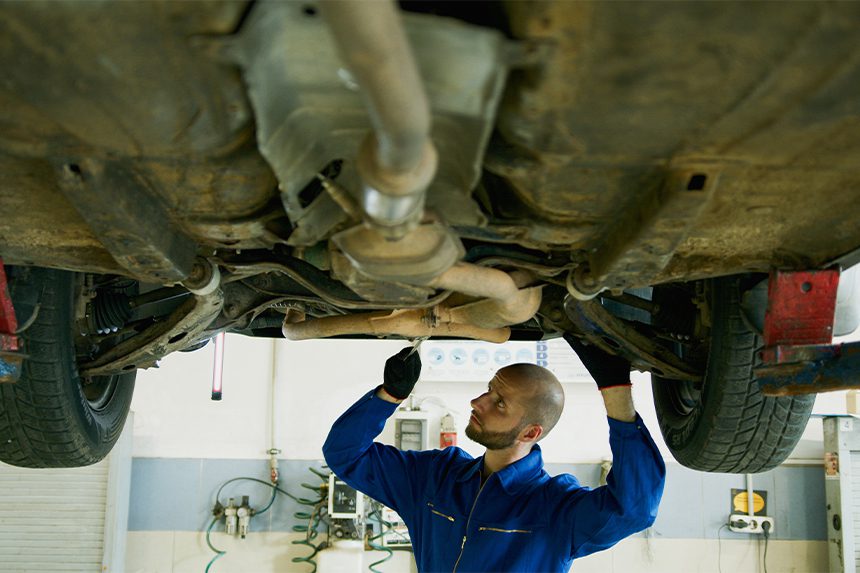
(743, 523)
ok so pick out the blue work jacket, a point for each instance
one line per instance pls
(521, 519)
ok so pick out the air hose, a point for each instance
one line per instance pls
(218, 553)
(316, 503)
(384, 527)
(313, 519)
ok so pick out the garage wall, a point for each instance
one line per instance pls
(66, 519)
(186, 445)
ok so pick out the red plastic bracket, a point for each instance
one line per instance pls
(800, 308)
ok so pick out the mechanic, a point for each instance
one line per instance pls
(502, 511)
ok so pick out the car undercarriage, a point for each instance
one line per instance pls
(629, 173)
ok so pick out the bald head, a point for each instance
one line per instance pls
(542, 394)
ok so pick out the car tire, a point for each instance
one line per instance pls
(725, 424)
(48, 418)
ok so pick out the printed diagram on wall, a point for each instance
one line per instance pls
(469, 361)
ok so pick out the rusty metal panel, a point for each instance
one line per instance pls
(130, 222)
(644, 239)
(765, 94)
(159, 103)
(149, 94)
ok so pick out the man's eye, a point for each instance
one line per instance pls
(501, 404)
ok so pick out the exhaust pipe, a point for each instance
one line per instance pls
(397, 161)
(407, 323)
(485, 319)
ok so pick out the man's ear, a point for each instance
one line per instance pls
(531, 433)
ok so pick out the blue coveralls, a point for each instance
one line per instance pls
(520, 520)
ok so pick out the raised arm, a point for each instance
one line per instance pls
(619, 403)
(382, 472)
(628, 502)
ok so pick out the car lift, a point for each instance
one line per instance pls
(11, 356)
(799, 357)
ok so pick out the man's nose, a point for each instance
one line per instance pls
(476, 402)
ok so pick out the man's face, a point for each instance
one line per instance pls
(497, 414)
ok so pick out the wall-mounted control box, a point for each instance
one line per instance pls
(343, 501)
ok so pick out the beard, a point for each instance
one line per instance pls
(494, 440)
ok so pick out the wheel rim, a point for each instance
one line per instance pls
(684, 396)
(99, 390)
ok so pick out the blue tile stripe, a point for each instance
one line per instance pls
(177, 494)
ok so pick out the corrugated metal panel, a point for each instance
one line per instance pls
(855, 504)
(52, 519)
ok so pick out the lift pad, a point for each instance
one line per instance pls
(10, 347)
(798, 357)
(800, 308)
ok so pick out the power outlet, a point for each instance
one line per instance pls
(743, 523)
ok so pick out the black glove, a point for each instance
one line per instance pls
(607, 369)
(401, 373)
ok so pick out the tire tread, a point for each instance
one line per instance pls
(738, 430)
(38, 425)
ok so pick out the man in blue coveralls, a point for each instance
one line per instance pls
(502, 511)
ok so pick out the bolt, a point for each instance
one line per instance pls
(198, 271)
(587, 280)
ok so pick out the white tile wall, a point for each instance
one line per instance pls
(186, 552)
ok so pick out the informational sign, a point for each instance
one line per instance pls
(740, 503)
(472, 361)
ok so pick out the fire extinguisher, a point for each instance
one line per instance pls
(448, 432)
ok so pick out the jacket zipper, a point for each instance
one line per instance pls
(504, 530)
(468, 520)
(448, 517)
